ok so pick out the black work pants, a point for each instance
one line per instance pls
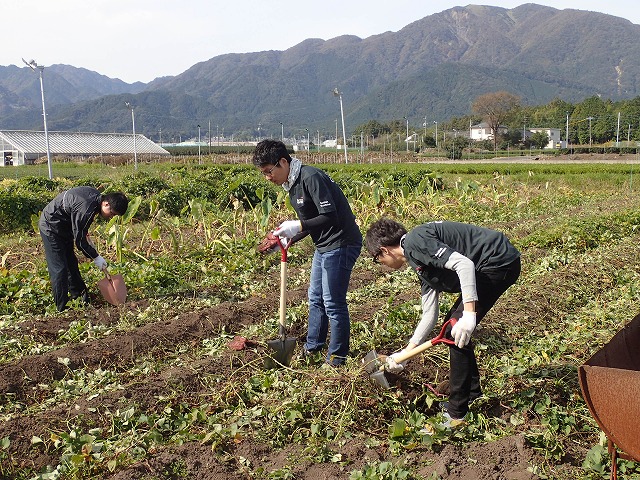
(64, 273)
(464, 377)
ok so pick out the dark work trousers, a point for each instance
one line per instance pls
(464, 377)
(64, 274)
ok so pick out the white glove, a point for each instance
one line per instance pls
(462, 330)
(288, 228)
(100, 262)
(393, 366)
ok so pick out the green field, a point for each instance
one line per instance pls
(152, 390)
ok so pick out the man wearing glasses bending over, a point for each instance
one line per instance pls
(479, 263)
(325, 214)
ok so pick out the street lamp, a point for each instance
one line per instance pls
(307, 130)
(133, 123)
(407, 137)
(436, 133)
(338, 94)
(199, 157)
(282, 132)
(33, 66)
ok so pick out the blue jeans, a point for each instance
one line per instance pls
(330, 274)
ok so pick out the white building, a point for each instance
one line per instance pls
(554, 137)
(21, 147)
(482, 131)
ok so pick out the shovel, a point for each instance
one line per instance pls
(113, 288)
(283, 346)
(375, 365)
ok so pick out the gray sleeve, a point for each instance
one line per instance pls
(429, 317)
(466, 271)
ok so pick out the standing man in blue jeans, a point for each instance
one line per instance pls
(325, 214)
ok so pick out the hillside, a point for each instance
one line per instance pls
(433, 67)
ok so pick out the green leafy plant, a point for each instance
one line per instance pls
(380, 471)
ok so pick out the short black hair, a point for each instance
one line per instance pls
(269, 152)
(118, 202)
(383, 233)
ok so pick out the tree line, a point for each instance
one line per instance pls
(593, 121)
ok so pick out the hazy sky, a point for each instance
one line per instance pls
(139, 40)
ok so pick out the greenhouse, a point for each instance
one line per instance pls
(22, 147)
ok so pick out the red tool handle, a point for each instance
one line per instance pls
(283, 249)
(440, 338)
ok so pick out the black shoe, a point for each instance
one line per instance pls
(83, 297)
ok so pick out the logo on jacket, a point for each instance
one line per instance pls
(300, 201)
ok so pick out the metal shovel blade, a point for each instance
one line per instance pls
(113, 289)
(374, 366)
(282, 352)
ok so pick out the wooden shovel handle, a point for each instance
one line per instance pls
(283, 288)
(283, 298)
(108, 277)
(441, 338)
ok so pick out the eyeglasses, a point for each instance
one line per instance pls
(267, 173)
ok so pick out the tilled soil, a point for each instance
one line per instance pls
(22, 382)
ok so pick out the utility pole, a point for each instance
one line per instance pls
(567, 132)
(199, 157)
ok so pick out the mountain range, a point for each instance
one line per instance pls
(430, 70)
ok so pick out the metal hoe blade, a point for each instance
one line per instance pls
(374, 366)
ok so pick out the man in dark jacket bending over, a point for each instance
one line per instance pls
(65, 221)
(479, 263)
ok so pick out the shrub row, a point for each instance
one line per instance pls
(220, 185)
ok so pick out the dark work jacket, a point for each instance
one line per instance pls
(69, 216)
(315, 193)
(428, 247)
